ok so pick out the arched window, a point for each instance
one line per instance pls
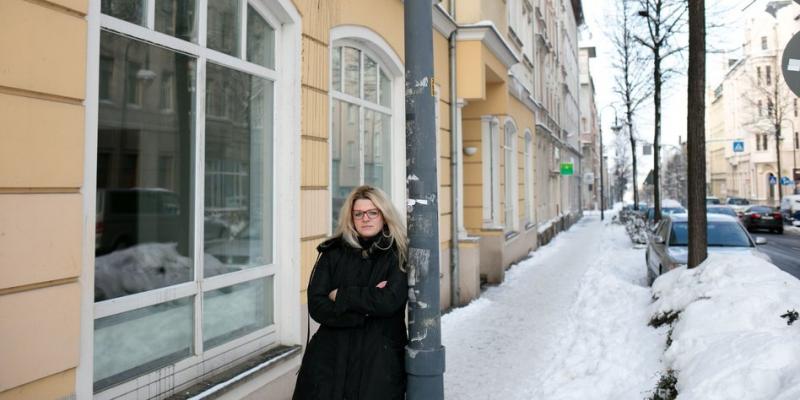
(190, 238)
(510, 169)
(365, 138)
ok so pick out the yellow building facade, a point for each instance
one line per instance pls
(168, 169)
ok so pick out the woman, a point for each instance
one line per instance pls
(357, 292)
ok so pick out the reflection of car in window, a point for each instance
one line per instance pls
(125, 217)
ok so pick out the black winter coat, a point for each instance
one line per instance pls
(358, 351)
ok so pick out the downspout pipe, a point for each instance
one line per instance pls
(455, 134)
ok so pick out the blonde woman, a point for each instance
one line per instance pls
(357, 293)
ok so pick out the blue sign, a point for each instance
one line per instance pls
(773, 180)
(738, 146)
(785, 181)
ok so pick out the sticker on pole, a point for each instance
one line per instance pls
(738, 146)
(567, 168)
(790, 65)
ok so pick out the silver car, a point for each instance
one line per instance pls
(667, 245)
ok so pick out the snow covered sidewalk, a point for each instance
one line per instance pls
(568, 323)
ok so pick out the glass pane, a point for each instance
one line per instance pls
(345, 160)
(143, 226)
(370, 80)
(352, 71)
(336, 67)
(260, 39)
(127, 10)
(223, 26)
(386, 90)
(377, 127)
(238, 176)
(135, 342)
(177, 18)
(237, 310)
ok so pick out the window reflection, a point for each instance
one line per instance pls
(177, 18)
(260, 39)
(238, 215)
(237, 310)
(143, 213)
(345, 157)
(138, 341)
(126, 10)
(223, 23)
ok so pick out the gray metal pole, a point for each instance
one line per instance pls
(424, 353)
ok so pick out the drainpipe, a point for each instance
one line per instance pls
(455, 287)
(424, 355)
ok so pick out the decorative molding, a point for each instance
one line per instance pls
(488, 34)
(442, 21)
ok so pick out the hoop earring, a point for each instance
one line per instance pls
(386, 232)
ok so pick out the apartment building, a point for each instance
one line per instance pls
(169, 167)
(752, 105)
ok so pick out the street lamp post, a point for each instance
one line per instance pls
(615, 128)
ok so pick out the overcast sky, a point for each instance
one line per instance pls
(598, 16)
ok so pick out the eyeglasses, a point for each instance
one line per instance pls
(371, 214)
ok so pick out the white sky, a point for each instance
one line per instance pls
(726, 13)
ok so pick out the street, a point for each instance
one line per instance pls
(783, 249)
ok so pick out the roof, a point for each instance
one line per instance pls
(683, 217)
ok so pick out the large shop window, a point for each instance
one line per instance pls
(361, 124)
(184, 237)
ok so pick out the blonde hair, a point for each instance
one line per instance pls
(346, 229)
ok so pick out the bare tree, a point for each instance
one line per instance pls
(665, 22)
(695, 128)
(674, 177)
(622, 167)
(631, 83)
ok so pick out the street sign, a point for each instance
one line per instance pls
(785, 181)
(738, 146)
(790, 64)
(772, 179)
(567, 168)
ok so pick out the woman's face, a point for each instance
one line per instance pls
(367, 218)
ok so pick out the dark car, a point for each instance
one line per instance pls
(763, 217)
(720, 209)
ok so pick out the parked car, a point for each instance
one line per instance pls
(712, 200)
(790, 208)
(763, 217)
(668, 207)
(667, 246)
(739, 204)
(721, 209)
(126, 217)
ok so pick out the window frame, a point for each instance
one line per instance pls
(371, 44)
(490, 147)
(284, 17)
(510, 197)
(529, 184)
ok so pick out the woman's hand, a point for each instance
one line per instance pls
(332, 294)
(381, 285)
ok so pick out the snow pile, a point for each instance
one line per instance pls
(730, 341)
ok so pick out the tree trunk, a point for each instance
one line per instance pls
(695, 128)
(657, 133)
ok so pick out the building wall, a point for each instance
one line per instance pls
(41, 177)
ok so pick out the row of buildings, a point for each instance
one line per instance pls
(169, 167)
(752, 118)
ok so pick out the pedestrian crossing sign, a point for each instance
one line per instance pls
(738, 146)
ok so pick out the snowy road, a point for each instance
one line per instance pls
(565, 324)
